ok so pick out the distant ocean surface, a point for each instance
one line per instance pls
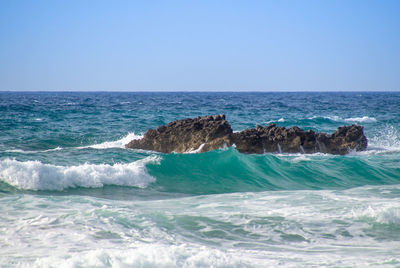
(71, 195)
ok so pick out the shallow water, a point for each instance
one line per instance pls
(72, 196)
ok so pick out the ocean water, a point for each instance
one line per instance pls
(72, 196)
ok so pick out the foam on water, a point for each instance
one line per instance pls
(154, 255)
(34, 175)
(333, 117)
(384, 215)
(289, 228)
(114, 144)
(364, 119)
(280, 120)
(104, 145)
(58, 148)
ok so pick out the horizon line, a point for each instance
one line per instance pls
(201, 91)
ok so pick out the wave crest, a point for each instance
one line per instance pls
(364, 119)
(114, 144)
(34, 175)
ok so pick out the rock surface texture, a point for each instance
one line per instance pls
(207, 133)
(199, 134)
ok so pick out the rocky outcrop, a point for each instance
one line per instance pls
(207, 133)
(343, 140)
(199, 134)
(275, 139)
(293, 140)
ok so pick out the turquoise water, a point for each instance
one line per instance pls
(72, 196)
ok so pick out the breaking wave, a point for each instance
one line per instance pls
(114, 144)
(34, 175)
(364, 119)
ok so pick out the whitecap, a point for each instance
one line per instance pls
(34, 175)
(52, 150)
(17, 151)
(32, 152)
(364, 119)
(332, 118)
(114, 144)
(279, 120)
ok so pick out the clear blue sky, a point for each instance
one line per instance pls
(200, 45)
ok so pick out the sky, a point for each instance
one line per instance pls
(195, 45)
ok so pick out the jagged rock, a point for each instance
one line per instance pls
(200, 134)
(343, 140)
(293, 140)
(207, 133)
(275, 139)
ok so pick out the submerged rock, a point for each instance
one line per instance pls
(207, 133)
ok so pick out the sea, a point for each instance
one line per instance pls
(71, 195)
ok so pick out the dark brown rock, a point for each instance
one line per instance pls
(343, 140)
(207, 133)
(275, 139)
(293, 140)
(200, 134)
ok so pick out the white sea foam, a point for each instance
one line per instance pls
(52, 150)
(104, 145)
(301, 158)
(279, 120)
(34, 175)
(333, 117)
(114, 144)
(17, 151)
(384, 215)
(279, 228)
(32, 152)
(154, 255)
(364, 119)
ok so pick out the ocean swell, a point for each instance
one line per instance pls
(225, 171)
